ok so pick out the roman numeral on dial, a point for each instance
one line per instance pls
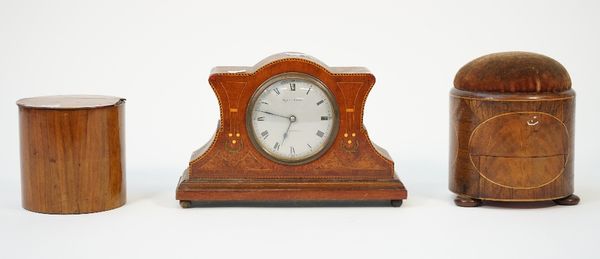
(320, 133)
(292, 86)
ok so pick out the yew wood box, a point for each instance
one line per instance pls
(512, 124)
(72, 153)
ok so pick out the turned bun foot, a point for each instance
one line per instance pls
(568, 201)
(464, 201)
(185, 204)
(396, 203)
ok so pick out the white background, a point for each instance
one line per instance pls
(158, 55)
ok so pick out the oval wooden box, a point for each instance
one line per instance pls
(72, 153)
(512, 124)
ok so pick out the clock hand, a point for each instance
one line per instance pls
(270, 113)
(285, 135)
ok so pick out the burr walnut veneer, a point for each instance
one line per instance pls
(231, 168)
(512, 125)
(72, 153)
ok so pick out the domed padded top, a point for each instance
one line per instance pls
(513, 72)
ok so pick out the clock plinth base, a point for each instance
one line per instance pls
(288, 190)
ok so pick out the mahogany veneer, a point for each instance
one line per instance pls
(230, 168)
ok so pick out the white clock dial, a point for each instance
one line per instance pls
(292, 118)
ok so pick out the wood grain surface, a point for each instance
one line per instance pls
(72, 156)
(512, 130)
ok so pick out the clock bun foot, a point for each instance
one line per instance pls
(464, 201)
(396, 203)
(185, 204)
(568, 201)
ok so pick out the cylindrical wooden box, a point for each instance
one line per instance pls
(72, 153)
(512, 124)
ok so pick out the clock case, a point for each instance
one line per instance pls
(230, 168)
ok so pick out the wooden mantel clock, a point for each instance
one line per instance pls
(291, 129)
